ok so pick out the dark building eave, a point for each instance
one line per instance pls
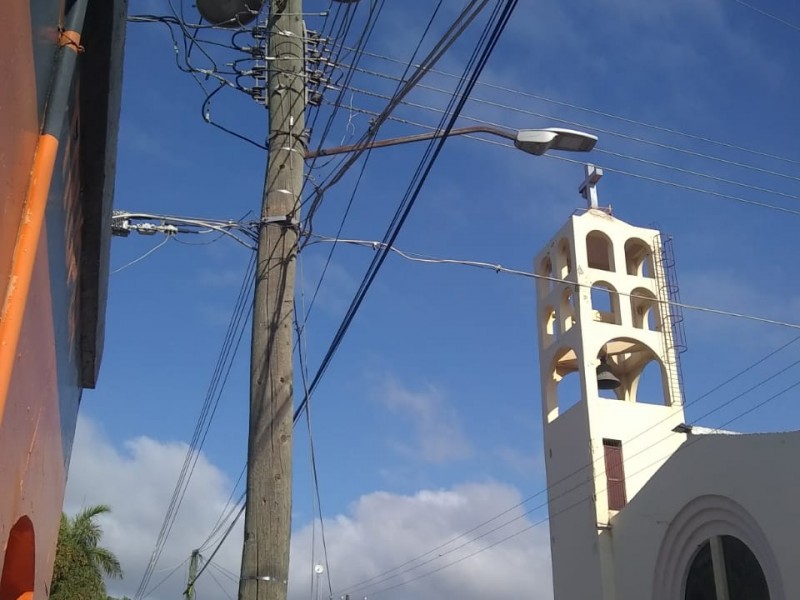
(100, 102)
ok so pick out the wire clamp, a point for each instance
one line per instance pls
(286, 221)
(71, 39)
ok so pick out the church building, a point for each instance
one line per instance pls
(641, 505)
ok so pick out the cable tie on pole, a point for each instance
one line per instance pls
(261, 578)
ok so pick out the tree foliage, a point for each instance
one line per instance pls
(81, 562)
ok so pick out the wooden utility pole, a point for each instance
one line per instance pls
(267, 526)
(188, 593)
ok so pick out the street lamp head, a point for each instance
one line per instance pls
(539, 141)
(229, 13)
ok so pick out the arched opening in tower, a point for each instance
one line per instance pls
(641, 372)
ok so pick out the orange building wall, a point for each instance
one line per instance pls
(19, 125)
(31, 461)
(32, 471)
(60, 340)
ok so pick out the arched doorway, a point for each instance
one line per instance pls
(19, 568)
(725, 567)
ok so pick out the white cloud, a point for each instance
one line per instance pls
(379, 532)
(386, 530)
(438, 437)
(137, 482)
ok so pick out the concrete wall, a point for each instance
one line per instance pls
(573, 526)
(747, 486)
(645, 431)
(574, 332)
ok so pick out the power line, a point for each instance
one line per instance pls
(168, 575)
(219, 585)
(691, 188)
(317, 196)
(563, 493)
(498, 268)
(661, 128)
(328, 259)
(716, 388)
(167, 238)
(610, 153)
(225, 514)
(483, 50)
(709, 392)
(230, 346)
(769, 15)
(363, 39)
(594, 128)
(302, 352)
(217, 548)
(465, 18)
(123, 224)
(740, 184)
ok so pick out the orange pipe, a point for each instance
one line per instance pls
(24, 260)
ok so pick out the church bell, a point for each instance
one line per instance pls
(606, 380)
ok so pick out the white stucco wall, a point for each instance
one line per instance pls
(742, 485)
(647, 436)
(573, 532)
(574, 332)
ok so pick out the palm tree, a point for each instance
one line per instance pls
(81, 563)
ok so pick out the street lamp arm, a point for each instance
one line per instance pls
(499, 131)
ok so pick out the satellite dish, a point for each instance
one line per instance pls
(229, 13)
(318, 569)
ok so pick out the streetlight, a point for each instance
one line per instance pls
(539, 141)
(532, 141)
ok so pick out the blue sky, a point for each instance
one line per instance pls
(428, 420)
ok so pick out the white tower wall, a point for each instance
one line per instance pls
(632, 431)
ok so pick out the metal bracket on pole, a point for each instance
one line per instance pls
(284, 221)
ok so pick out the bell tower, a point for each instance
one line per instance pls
(611, 390)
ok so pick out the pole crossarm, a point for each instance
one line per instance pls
(420, 137)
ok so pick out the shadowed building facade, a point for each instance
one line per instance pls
(61, 68)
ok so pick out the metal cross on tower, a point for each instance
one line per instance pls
(588, 189)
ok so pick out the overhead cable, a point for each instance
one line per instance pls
(219, 378)
(594, 128)
(465, 18)
(769, 15)
(497, 23)
(361, 584)
(658, 180)
(551, 498)
(497, 268)
(664, 129)
(599, 150)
